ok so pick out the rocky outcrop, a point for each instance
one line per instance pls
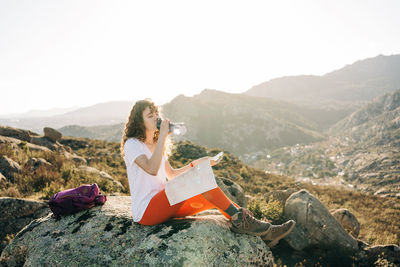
(315, 226)
(9, 167)
(16, 213)
(13, 142)
(24, 135)
(232, 190)
(52, 134)
(43, 141)
(347, 220)
(107, 236)
(34, 163)
(75, 158)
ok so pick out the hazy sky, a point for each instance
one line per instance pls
(78, 53)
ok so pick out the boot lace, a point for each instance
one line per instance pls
(247, 218)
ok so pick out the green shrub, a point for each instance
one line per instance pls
(244, 173)
(271, 210)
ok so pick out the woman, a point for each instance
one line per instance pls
(143, 148)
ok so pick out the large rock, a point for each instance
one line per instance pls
(75, 158)
(24, 135)
(9, 167)
(52, 134)
(232, 190)
(16, 213)
(347, 220)
(34, 163)
(43, 141)
(106, 236)
(315, 226)
(15, 143)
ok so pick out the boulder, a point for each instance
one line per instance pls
(52, 134)
(8, 167)
(24, 135)
(100, 175)
(232, 190)
(33, 147)
(14, 143)
(75, 158)
(34, 163)
(16, 213)
(107, 236)
(315, 226)
(43, 141)
(347, 220)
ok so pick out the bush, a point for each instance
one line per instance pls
(271, 210)
(244, 173)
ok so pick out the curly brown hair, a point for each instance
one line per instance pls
(134, 127)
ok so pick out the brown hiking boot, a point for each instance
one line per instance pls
(277, 232)
(243, 222)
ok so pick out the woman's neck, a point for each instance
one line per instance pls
(149, 138)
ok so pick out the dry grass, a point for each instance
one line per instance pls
(379, 217)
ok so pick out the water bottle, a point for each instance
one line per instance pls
(177, 128)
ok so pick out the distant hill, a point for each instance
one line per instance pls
(100, 114)
(103, 132)
(377, 123)
(39, 113)
(239, 123)
(353, 84)
(235, 122)
(364, 150)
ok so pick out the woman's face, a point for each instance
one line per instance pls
(150, 119)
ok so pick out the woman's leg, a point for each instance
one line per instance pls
(159, 210)
(214, 198)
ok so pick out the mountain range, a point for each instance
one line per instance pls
(356, 83)
(334, 95)
(107, 113)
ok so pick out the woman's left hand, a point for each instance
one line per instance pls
(213, 162)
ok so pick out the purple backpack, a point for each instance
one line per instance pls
(76, 199)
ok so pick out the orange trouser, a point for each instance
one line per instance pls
(159, 209)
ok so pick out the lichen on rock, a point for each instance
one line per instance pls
(107, 236)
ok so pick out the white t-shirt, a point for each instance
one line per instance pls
(142, 185)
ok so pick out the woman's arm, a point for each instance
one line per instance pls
(152, 165)
(172, 173)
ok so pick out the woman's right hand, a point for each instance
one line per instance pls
(164, 128)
